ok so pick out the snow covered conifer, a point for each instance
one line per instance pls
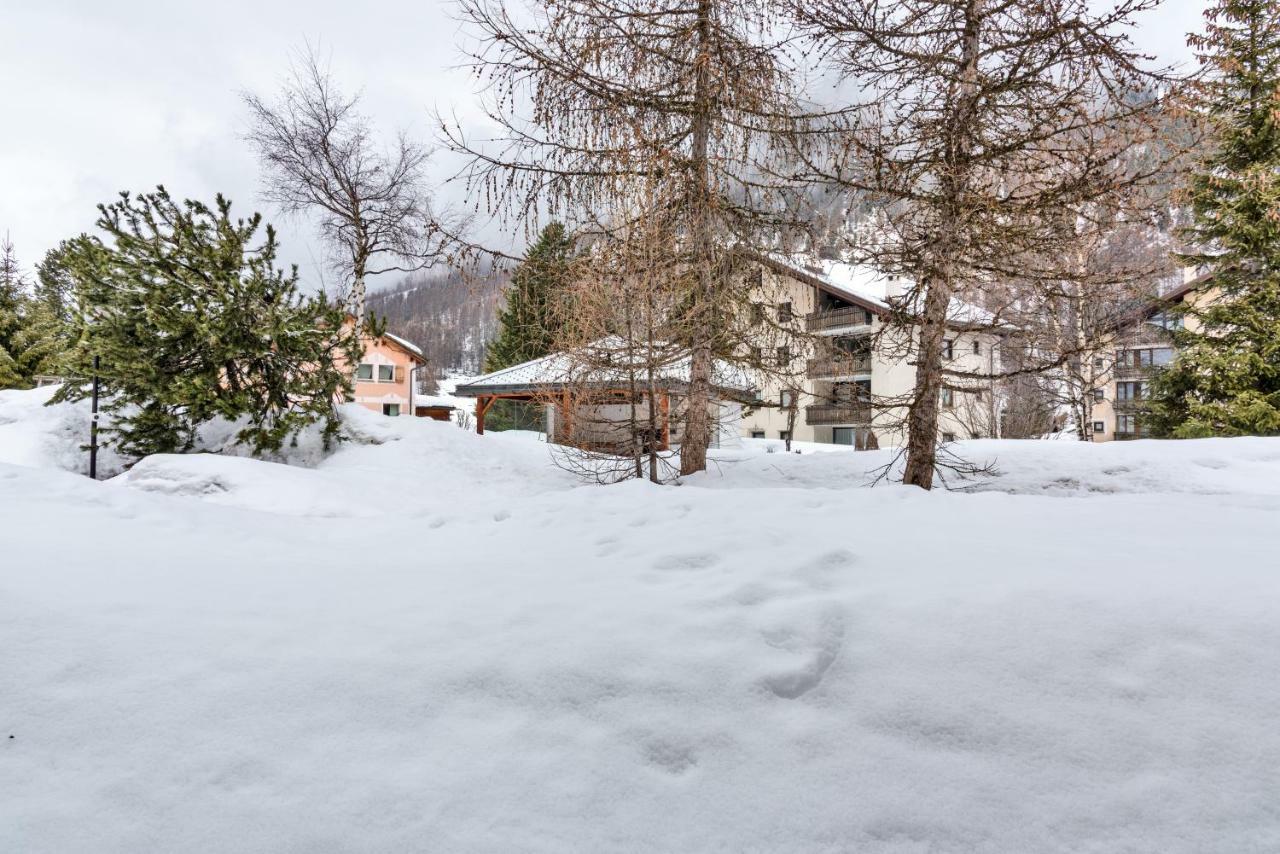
(1226, 379)
(192, 321)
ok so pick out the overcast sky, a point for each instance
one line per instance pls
(104, 96)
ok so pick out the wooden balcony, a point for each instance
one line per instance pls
(827, 414)
(838, 320)
(835, 366)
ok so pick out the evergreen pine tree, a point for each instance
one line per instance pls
(1226, 379)
(12, 301)
(192, 321)
(531, 319)
(45, 338)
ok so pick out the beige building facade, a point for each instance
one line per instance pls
(1140, 348)
(845, 374)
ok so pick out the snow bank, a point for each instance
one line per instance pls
(1205, 466)
(32, 434)
(442, 643)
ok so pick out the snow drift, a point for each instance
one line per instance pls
(440, 642)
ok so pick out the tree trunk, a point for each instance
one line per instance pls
(697, 432)
(922, 418)
(939, 282)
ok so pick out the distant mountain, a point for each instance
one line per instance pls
(451, 315)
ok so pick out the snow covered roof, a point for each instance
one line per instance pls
(411, 347)
(602, 363)
(434, 400)
(865, 286)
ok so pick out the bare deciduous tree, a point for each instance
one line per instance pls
(320, 159)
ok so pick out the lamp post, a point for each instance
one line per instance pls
(93, 426)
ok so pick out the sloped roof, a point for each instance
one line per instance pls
(412, 348)
(863, 285)
(601, 364)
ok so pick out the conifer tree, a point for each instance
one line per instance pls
(192, 321)
(45, 338)
(11, 306)
(1226, 378)
(529, 322)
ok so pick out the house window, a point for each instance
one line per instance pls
(1099, 394)
(948, 398)
(1099, 427)
(364, 372)
(785, 314)
(787, 398)
(948, 438)
(1129, 391)
(948, 349)
(1098, 363)
(757, 434)
(784, 435)
(757, 314)
(386, 373)
(757, 356)
(784, 357)
(977, 348)
(1126, 424)
(1166, 320)
(390, 409)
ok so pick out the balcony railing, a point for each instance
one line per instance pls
(829, 367)
(1135, 372)
(834, 319)
(1129, 403)
(838, 413)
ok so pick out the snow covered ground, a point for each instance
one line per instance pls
(433, 641)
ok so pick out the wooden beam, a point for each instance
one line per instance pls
(664, 406)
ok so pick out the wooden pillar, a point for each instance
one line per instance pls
(664, 407)
(567, 411)
(482, 406)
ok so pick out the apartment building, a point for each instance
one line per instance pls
(847, 376)
(1141, 346)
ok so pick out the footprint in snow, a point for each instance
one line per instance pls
(686, 562)
(814, 657)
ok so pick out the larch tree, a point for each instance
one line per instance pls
(602, 102)
(1225, 380)
(321, 160)
(963, 113)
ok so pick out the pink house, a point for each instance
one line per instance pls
(384, 379)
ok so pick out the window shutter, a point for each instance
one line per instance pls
(399, 373)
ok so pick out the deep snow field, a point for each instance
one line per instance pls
(438, 642)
